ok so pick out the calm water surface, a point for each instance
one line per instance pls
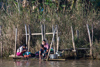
(67, 63)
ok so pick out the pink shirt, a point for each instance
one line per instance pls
(46, 46)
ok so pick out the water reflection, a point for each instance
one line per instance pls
(90, 64)
(24, 63)
(74, 63)
(36, 63)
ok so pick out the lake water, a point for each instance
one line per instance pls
(67, 63)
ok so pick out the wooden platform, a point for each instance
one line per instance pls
(17, 57)
(55, 59)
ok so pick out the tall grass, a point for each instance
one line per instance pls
(53, 14)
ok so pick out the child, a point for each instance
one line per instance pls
(43, 52)
(27, 54)
(21, 50)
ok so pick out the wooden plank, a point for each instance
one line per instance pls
(14, 56)
(50, 33)
(36, 34)
(15, 41)
(56, 60)
(40, 33)
(26, 33)
(89, 39)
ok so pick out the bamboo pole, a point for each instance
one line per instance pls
(26, 33)
(92, 34)
(29, 37)
(51, 43)
(89, 39)
(1, 40)
(73, 39)
(42, 32)
(53, 39)
(15, 40)
(73, 42)
(57, 39)
(57, 44)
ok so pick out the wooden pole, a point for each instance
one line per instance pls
(15, 40)
(57, 44)
(73, 42)
(53, 39)
(73, 39)
(51, 43)
(57, 39)
(1, 40)
(92, 34)
(89, 39)
(26, 33)
(42, 32)
(29, 37)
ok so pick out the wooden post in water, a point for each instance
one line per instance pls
(89, 39)
(1, 40)
(73, 39)
(26, 33)
(15, 41)
(73, 42)
(29, 37)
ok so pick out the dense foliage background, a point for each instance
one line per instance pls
(64, 13)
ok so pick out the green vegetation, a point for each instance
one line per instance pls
(64, 13)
